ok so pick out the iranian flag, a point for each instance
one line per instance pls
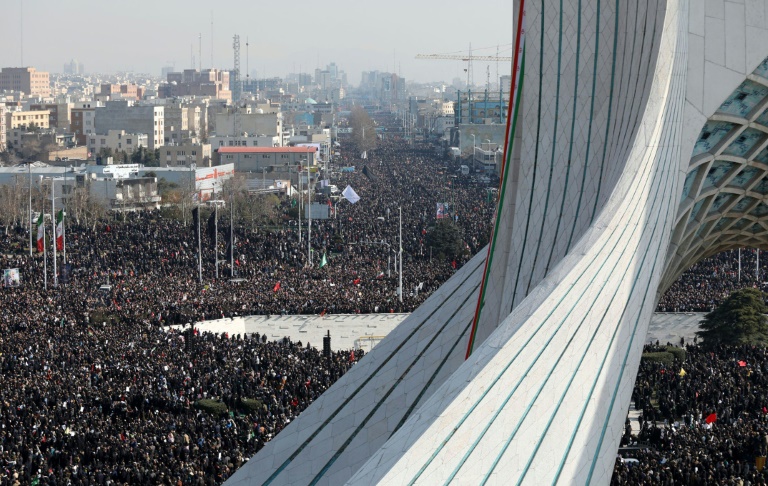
(60, 230)
(40, 234)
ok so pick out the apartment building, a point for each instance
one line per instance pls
(182, 121)
(118, 141)
(124, 91)
(59, 114)
(82, 117)
(3, 133)
(124, 115)
(186, 154)
(37, 118)
(28, 80)
(191, 82)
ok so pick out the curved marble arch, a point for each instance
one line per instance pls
(613, 188)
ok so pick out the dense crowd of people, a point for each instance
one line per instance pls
(97, 389)
(707, 283)
(704, 421)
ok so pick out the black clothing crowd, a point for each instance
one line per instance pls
(704, 421)
(97, 390)
(709, 282)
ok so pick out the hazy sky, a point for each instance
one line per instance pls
(284, 36)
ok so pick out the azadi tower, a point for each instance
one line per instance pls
(637, 145)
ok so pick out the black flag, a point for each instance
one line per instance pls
(230, 238)
(195, 218)
(212, 228)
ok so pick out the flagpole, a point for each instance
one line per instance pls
(739, 264)
(45, 253)
(309, 227)
(400, 285)
(199, 247)
(53, 226)
(231, 234)
(301, 202)
(216, 237)
(63, 231)
(31, 221)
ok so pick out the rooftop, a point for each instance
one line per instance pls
(266, 150)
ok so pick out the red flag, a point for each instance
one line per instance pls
(711, 418)
(356, 281)
(453, 264)
(277, 287)
(742, 363)
(322, 313)
(352, 356)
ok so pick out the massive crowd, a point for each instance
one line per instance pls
(704, 421)
(97, 390)
(703, 286)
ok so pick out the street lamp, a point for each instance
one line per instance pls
(400, 290)
(473, 148)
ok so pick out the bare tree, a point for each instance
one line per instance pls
(363, 130)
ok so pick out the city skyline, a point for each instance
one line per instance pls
(173, 32)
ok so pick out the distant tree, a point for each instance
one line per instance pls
(445, 238)
(363, 130)
(152, 158)
(137, 157)
(740, 319)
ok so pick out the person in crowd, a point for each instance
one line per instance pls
(98, 389)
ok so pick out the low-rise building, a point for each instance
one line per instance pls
(487, 158)
(208, 181)
(186, 154)
(117, 141)
(29, 119)
(244, 140)
(255, 159)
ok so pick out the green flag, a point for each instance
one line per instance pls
(324, 261)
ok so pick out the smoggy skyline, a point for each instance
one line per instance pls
(144, 36)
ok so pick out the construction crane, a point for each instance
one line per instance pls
(468, 58)
(462, 57)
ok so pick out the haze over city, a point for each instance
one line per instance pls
(284, 38)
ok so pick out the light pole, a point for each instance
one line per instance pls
(310, 191)
(474, 148)
(301, 200)
(400, 285)
(53, 232)
(31, 220)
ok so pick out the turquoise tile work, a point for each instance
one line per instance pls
(744, 99)
(712, 133)
(741, 146)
